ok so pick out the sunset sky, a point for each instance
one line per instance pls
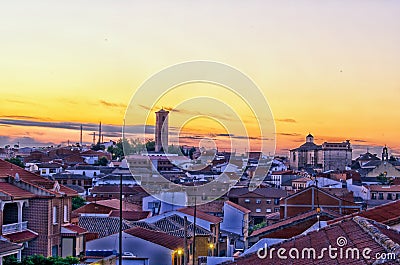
(330, 68)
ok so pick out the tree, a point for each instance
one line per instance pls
(150, 145)
(40, 260)
(15, 161)
(102, 162)
(77, 202)
(98, 147)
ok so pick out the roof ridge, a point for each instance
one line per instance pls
(383, 240)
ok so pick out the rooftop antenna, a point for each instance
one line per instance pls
(99, 132)
(94, 137)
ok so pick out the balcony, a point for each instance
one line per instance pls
(13, 228)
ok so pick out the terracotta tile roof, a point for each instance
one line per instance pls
(75, 228)
(130, 215)
(212, 207)
(359, 233)
(14, 191)
(115, 189)
(114, 203)
(261, 192)
(9, 169)
(6, 247)
(384, 188)
(284, 172)
(388, 214)
(202, 215)
(238, 207)
(295, 225)
(157, 237)
(20, 237)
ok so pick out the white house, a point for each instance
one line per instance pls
(49, 169)
(158, 247)
(235, 221)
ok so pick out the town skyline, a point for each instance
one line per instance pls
(331, 77)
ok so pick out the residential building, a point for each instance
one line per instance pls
(235, 225)
(74, 180)
(49, 169)
(260, 201)
(33, 210)
(351, 234)
(313, 198)
(383, 193)
(155, 247)
(280, 177)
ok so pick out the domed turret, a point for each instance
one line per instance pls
(309, 138)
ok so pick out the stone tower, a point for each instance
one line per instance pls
(385, 154)
(161, 132)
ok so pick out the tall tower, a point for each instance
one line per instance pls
(385, 154)
(161, 132)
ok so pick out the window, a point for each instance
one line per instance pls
(268, 201)
(276, 210)
(268, 210)
(258, 210)
(55, 215)
(276, 201)
(397, 196)
(373, 196)
(380, 196)
(247, 200)
(258, 201)
(65, 213)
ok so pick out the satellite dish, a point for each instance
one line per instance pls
(17, 179)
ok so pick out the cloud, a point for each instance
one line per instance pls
(24, 117)
(23, 141)
(359, 141)
(288, 134)
(286, 120)
(112, 104)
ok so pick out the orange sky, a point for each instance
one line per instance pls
(325, 67)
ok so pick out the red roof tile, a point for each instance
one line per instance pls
(114, 203)
(14, 191)
(157, 237)
(237, 206)
(9, 169)
(358, 232)
(7, 247)
(202, 215)
(294, 221)
(75, 228)
(130, 215)
(388, 213)
(20, 237)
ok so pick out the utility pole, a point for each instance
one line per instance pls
(194, 229)
(120, 219)
(185, 250)
(80, 141)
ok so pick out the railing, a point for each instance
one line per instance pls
(13, 228)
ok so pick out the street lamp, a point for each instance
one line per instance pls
(211, 247)
(179, 253)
